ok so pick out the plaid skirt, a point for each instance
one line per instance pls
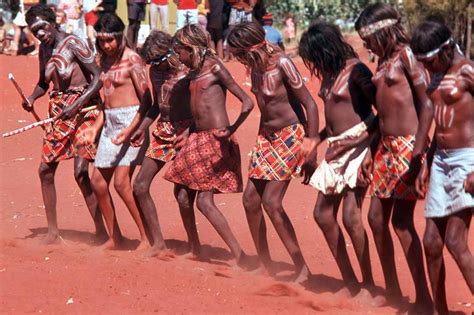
(274, 157)
(206, 163)
(391, 165)
(161, 143)
(60, 141)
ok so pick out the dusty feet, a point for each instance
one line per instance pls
(100, 237)
(143, 246)
(246, 262)
(421, 307)
(365, 297)
(112, 244)
(301, 275)
(51, 238)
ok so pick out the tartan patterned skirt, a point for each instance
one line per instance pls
(206, 163)
(60, 141)
(274, 157)
(391, 165)
(161, 143)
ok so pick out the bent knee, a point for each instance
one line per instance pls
(122, 186)
(352, 221)
(251, 203)
(139, 188)
(203, 203)
(455, 244)
(46, 173)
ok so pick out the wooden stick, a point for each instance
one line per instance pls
(40, 123)
(20, 91)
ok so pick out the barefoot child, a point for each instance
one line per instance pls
(172, 103)
(125, 92)
(280, 92)
(348, 94)
(450, 200)
(67, 62)
(209, 161)
(405, 114)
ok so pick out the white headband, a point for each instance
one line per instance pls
(432, 53)
(374, 27)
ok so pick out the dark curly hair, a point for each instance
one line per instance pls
(42, 11)
(324, 51)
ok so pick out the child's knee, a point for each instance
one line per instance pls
(45, 173)
(121, 186)
(352, 220)
(271, 204)
(323, 218)
(204, 203)
(433, 245)
(80, 174)
(139, 188)
(182, 197)
(99, 185)
(455, 243)
(251, 203)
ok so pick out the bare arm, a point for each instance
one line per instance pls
(85, 59)
(247, 104)
(417, 75)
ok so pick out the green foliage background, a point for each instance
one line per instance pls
(452, 12)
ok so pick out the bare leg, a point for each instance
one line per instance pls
(205, 204)
(379, 218)
(122, 184)
(457, 233)
(81, 174)
(48, 189)
(220, 49)
(185, 198)
(272, 203)
(100, 182)
(252, 200)
(352, 220)
(325, 214)
(433, 242)
(402, 222)
(141, 191)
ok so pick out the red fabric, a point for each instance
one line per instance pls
(161, 143)
(160, 2)
(187, 5)
(91, 18)
(60, 141)
(207, 164)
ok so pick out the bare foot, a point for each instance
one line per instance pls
(302, 275)
(112, 244)
(143, 246)
(100, 237)
(51, 238)
(154, 251)
(196, 257)
(246, 262)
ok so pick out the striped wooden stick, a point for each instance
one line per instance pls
(20, 91)
(40, 123)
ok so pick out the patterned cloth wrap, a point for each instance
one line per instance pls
(161, 144)
(60, 141)
(274, 157)
(391, 165)
(206, 163)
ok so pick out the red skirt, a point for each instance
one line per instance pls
(206, 163)
(161, 143)
(60, 141)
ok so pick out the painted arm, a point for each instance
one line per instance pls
(425, 110)
(86, 60)
(247, 104)
(295, 82)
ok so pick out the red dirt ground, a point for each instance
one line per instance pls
(76, 277)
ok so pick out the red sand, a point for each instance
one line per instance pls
(76, 277)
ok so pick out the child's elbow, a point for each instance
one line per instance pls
(248, 105)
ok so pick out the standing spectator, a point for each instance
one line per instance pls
(136, 14)
(72, 9)
(90, 8)
(203, 8)
(272, 35)
(241, 11)
(159, 7)
(187, 12)
(215, 25)
(290, 29)
(19, 25)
